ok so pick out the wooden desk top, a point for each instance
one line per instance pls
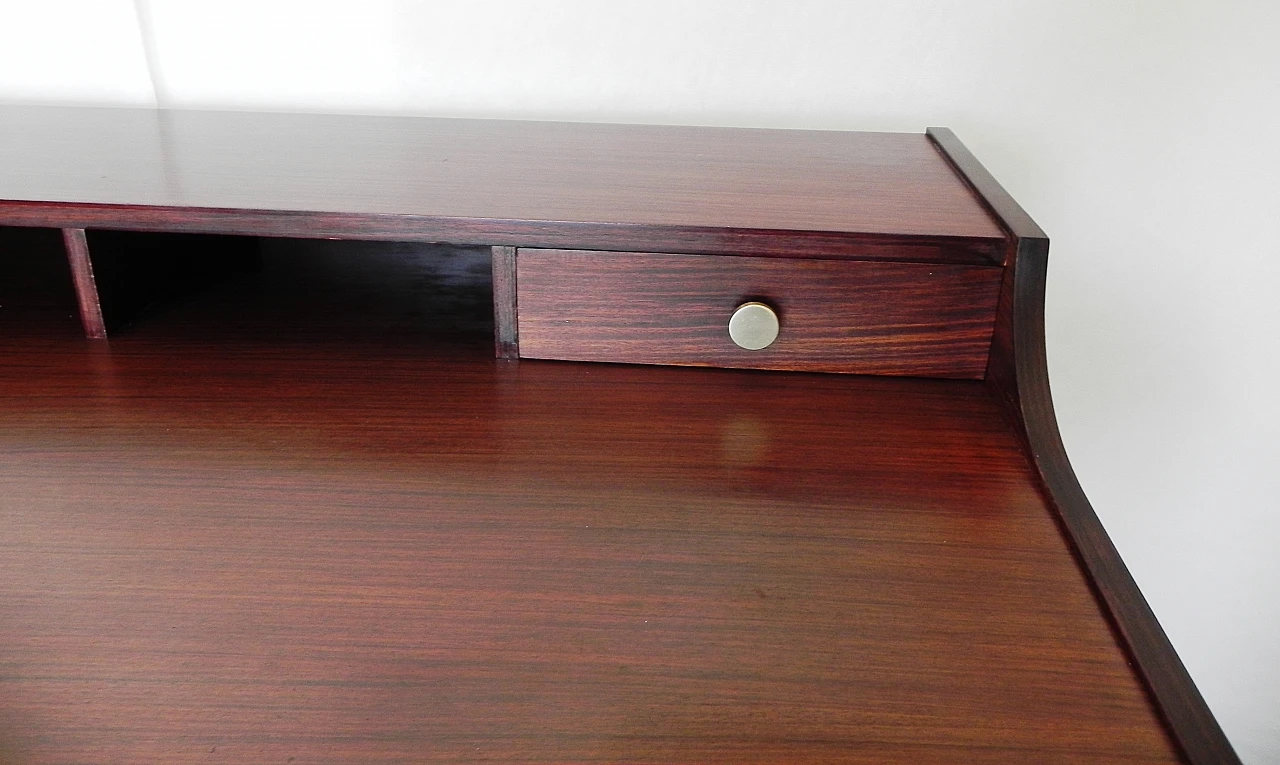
(491, 182)
(369, 541)
(300, 517)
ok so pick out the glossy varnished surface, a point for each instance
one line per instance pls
(491, 182)
(914, 319)
(309, 516)
(1018, 374)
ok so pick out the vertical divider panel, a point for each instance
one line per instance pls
(506, 339)
(95, 328)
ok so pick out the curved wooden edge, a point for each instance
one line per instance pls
(1018, 373)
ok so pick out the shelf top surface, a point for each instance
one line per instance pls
(544, 172)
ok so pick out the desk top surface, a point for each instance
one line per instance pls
(721, 179)
(292, 518)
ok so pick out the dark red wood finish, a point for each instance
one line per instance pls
(199, 550)
(307, 516)
(491, 182)
(506, 338)
(1018, 373)
(836, 316)
(95, 327)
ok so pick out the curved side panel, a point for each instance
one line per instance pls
(1018, 373)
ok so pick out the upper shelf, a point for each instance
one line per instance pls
(638, 187)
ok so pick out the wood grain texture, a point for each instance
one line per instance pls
(836, 316)
(86, 286)
(1019, 375)
(490, 182)
(307, 516)
(506, 338)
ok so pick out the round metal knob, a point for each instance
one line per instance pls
(753, 326)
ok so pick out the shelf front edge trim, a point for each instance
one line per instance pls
(592, 235)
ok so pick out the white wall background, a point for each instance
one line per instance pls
(1141, 135)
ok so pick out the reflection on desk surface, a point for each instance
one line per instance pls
(308, 515)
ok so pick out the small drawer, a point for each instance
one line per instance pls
(859, 317)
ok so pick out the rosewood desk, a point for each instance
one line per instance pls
(764, 468)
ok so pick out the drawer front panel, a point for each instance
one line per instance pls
(916, 319)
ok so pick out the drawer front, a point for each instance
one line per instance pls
(858, 317)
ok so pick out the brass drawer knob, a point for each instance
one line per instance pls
(753, 326)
